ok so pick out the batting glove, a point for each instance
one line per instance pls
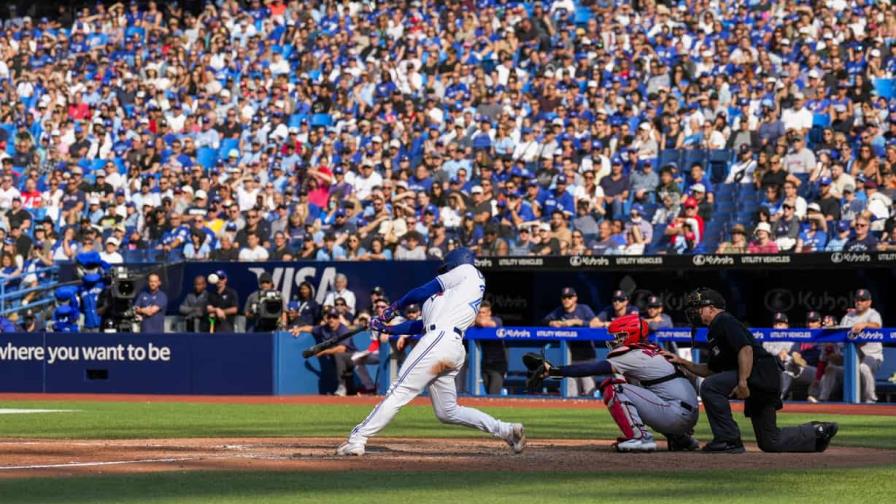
(377, 324)
(391, 312)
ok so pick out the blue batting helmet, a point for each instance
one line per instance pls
(457, 257)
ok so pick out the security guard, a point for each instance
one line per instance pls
(739, 367)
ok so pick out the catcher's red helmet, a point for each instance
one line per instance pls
(629, 330)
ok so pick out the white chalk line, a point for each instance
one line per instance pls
(23, 411)
(95, 464)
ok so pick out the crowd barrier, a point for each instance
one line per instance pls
(271, 364)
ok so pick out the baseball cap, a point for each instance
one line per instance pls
(825, 181)
(813, 207)
(476, 189)
(690, 203)
(739, 229)
(293, 305)
(654, 302)
(265, 277)
(813, 316)
(377, 290)
(221, 274)
(568, 291)
(863, 295)
(412, 308)
(781, 317)
(620, 295)
(842, 226)
(330, 311)
(870, 184)
(763, 226)
(700, 188)
(637, 207)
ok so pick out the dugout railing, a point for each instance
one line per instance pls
(555, 342)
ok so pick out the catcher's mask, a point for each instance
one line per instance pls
(628, 330)
(700, 298)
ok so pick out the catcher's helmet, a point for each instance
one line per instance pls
(629, 330)
(700, 298)
(457, 257)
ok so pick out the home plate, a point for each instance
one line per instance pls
(17, 411)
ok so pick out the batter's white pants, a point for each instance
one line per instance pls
(433, 363)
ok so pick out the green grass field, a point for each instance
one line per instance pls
(98, 420)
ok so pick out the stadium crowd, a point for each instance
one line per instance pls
(398, 130)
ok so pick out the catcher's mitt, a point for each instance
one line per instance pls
(539, 369)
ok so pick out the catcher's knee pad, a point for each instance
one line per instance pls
(622, 411)
(608, 387)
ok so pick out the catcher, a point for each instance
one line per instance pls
(661, 395)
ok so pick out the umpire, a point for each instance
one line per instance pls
(739, 367)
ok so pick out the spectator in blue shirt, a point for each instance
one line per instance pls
(572, 314)
(151, 305)
(620, 306)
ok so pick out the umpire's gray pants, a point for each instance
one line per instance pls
(715, 392)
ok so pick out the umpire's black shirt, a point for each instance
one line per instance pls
(725, 338)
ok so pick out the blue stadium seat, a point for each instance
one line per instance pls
(669, 156)
(719, 162)
(691, 157)
(885, 88)
(725, 191)
(227, 145)
(582, 15)
(821, 120)
(321, 120)
(206, 157)
(295, 120)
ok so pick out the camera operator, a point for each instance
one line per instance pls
(151, 305)
(223, 303)
(258, 318)
(193, 306)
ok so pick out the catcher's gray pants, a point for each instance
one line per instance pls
(665, 417)
(715, 392)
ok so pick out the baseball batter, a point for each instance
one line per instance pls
(663, 397)
(450, 304)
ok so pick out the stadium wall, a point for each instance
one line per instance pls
(524, 289)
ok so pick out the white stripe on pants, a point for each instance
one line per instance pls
(433, 363)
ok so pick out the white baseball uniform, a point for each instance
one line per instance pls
(436, 360)
(662, 398)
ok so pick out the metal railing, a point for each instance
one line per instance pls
(9, 297)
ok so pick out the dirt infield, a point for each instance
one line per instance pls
(43, 458)
(536, 402)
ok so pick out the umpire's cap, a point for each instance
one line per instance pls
(705, 296)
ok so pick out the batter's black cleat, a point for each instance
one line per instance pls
(824, 432)
(715, 446)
